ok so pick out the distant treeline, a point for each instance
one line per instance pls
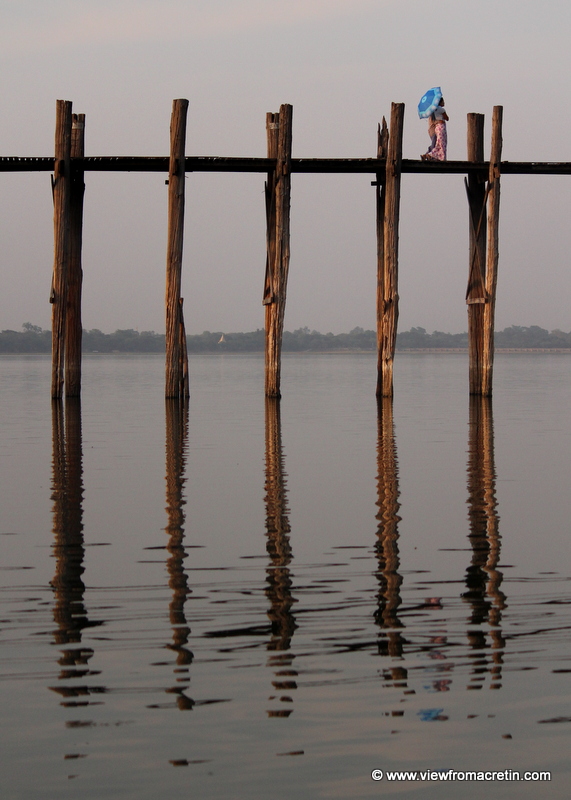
(32, 339)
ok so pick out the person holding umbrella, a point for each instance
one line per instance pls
(431, 106)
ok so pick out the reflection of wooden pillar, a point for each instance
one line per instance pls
(61, 186)
(277, 520)
(278, 578)
(390, 298)
(483, 579)
(69, 611)
(278, 192)
(74, 468)
(386, 547)
(67, 495)
(176, 441)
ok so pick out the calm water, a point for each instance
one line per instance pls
(249, 601)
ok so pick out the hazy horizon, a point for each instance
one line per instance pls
(228, 332)
(340, 63)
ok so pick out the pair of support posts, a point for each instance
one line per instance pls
(68, 188)
(484, 212)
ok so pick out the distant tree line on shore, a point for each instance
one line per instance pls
(32, 339)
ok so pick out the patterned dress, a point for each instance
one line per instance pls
(437, 131)
(437, 152)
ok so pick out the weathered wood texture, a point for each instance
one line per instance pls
(183, 355)
(278, 193)
(476, 292)
(74, 329)
(176, 367)
(380, 196)
(390, 298)
(61, 184)
(493, 249)
(272, 129)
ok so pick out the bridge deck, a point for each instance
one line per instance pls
(371, 166)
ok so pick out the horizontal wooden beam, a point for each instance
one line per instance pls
(370, 166)
(16, 164)
(506, 167)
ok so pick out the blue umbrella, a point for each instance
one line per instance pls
(429, 102)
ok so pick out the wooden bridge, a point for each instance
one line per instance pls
(482, 181)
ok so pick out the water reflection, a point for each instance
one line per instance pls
(390, 640)
(176, 444)
(483, 579)
(278, 577)
(69, 611)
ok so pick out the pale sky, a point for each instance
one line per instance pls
(340, 63)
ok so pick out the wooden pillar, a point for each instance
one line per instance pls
(272, 129)
(61, 185)
(183, 355)
(493, 249)
(382, 148)
(75, 274)
(476, 293)
(278, 194)
(175, 384)
(389, 290)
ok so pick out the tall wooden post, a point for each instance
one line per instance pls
(493, 249)
(476, 293)
(272, 130)
(61, 185)
(183, 369)
(175, 384)
(382, 148)
(278, 194)
(75, 274)
(390, 298)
